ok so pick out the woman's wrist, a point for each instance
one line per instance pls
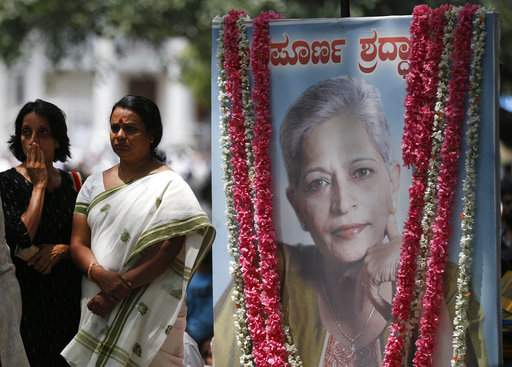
(127, 283)
(90, 269)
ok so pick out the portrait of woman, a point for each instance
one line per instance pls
(341, 185)
(38, 202)
(336, 293)
(138, 234)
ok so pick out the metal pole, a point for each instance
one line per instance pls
(345, 8)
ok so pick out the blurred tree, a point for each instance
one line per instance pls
(66, 24)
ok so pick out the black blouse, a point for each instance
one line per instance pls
(51, 303)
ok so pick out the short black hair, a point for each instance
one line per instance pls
(57, 121)
(150, 116)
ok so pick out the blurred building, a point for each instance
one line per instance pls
(90, 80)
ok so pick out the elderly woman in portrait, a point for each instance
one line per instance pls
(38, 201)
(342, 185)
(342, 181)
(138, 234)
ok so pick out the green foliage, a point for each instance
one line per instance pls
(66, 24)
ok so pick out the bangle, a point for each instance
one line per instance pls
(89, 269)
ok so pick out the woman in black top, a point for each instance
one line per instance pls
(38, 202)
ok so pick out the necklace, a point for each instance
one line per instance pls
(351, 339)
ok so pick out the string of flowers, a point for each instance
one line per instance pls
(241, 331)
(412, 151)
(416, 149)
(460, 322)
(246, 96)
(447, 180)
(439, 44)
(270, 293)
(293, 353)
(248, 256)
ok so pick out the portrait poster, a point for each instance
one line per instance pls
(325, 56)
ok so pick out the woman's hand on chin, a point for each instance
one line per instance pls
(36, 166)
(380, 266)
(48, 256)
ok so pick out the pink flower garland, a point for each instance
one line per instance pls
(270, 289)
(241, 189)
(447, 181)
(436, 24)
(411, 150)
(416, 148)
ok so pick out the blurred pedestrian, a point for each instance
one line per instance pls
(192, 355)
(506, 224)
(12, 352)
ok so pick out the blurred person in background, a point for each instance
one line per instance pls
(200, 308)
(12, 352)
(192, 355)
(38, 201)
(506, 223)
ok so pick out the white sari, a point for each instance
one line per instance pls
(124, 221)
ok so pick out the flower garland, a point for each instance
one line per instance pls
(435, 176)
(441, 42)
(460, 321)
(241, 330)
(447, 181)
(248, 256)
(245, 143)
(270, 289)
(246, 96)
(412, 149)
(416, 149)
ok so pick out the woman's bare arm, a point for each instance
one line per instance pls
(153, 263)
(38, 173)
(81, 243)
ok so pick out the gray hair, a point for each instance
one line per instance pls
(323, 101)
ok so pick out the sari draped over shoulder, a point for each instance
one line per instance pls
(124, 221)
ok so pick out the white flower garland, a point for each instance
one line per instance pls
(241, 328)
(460, 322)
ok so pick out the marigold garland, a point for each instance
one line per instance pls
(460, 322)
(447, 180)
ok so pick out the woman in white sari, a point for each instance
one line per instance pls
(138, 234)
